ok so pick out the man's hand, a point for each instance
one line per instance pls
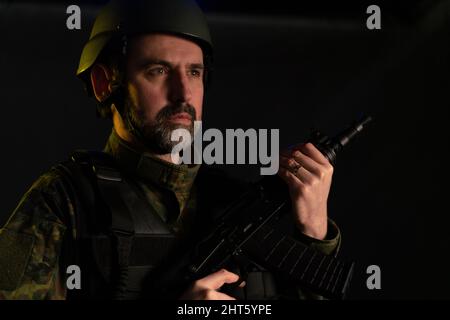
(207, 288)
(308, 174)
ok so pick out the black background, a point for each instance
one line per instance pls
(285, 66)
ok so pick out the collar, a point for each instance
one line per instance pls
(150, 169)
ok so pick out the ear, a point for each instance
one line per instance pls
(101, 77)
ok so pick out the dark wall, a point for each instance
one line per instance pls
(389, 189)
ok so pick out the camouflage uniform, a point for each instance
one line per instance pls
(31, 242)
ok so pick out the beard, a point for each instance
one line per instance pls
(156, 135)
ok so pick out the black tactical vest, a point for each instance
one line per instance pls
(122, 245)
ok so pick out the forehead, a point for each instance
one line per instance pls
(166, 47)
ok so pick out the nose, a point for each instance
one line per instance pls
(179, 90)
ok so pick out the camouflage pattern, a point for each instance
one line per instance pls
(31, 242)
(36, 217)
(161, 181)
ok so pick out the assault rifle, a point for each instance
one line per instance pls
(244, 235)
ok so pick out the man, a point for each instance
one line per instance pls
(120, 215)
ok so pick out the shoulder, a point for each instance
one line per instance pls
(52, 200)
(40, 202)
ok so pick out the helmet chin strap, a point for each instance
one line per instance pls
(117, 97)
(131, 127)
(118, 91)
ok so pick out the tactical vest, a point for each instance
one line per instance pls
(117, 241)
(121, 243)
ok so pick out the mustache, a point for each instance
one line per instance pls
(173, 109)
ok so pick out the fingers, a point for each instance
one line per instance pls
(300, 163)
(298, 169)
(206, 288)
(312, 152)
(289, 177)
(217, 279)
(306, 156)
(307, 149)
(205, 294)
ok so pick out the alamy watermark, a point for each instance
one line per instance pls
(74, 277)
(73, 21)
(260, 149)
(374, 279)
(374, 20)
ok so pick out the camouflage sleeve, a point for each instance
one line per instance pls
(30, 242)
(331, 243)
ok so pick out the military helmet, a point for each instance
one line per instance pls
(126, 18)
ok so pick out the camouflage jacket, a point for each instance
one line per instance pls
(32, 241)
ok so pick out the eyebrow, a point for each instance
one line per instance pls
(148, 62)
(197, 66)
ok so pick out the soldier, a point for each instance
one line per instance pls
(120, 214)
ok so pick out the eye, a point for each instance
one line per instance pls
(196, 73)
(156, 71)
